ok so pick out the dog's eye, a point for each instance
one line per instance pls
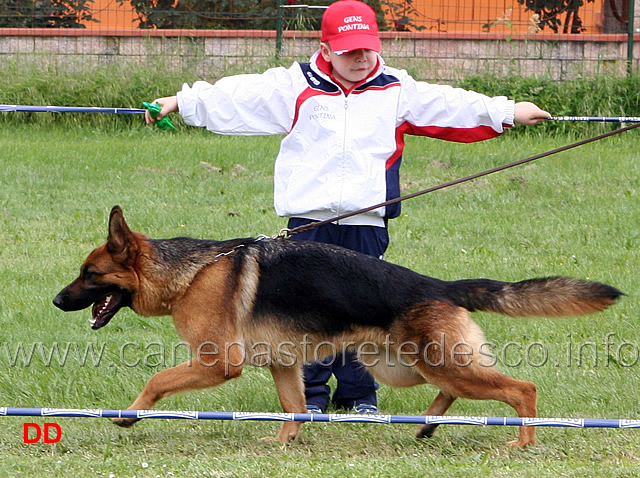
(90, 274)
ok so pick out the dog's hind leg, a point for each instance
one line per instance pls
(476, 383)
(290, 387)
(452, 359)
(438, 407)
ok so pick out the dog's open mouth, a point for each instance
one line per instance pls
(104, 309)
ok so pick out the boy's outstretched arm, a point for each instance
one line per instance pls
(528, 113)
(169, 105)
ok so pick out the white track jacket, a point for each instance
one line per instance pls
(342, 149)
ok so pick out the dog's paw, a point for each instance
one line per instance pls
(521, 443)
(276, 439)
(125, 422)
(426, 431)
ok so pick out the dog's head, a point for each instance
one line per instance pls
(107, 279)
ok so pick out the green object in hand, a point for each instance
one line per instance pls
(154, 110)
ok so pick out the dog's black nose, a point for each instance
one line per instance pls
(58, 301)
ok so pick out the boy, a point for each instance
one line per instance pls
(344, 115)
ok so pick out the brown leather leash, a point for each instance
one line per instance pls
(286, 233)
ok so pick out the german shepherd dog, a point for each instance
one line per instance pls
(268, 302)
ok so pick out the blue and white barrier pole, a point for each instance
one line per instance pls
(70, 109)
(602, 119)
(324, 417)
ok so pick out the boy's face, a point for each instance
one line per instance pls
(352, 67)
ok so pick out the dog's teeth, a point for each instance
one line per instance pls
(92, 321)
(105, 304)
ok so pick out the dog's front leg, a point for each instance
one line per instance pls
(190, 375)
(290, 389)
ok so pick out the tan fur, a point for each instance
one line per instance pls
(560, 297)
(212, 302)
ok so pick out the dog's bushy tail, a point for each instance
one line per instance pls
(549, 296)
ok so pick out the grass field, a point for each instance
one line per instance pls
(573, 214)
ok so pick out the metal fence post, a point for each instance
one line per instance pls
(279, 29)
(630, 32)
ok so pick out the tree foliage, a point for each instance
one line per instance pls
(205, 14)
(232, 14)
(45, 13)
(402, 14)
(559, 15)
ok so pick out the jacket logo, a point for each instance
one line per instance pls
(313, 79)
(321, 112)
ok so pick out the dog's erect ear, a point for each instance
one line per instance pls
(121, 243)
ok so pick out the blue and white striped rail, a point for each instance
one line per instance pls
(97, 109)
(602, 119)
(323, 417)
(70, 109)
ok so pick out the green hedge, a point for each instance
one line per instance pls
(111, 86)
(595, 96)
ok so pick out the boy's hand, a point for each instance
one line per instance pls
(169, 105)
(528, 113)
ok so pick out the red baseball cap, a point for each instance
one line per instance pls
(349, 25)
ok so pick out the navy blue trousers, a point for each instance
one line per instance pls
(355, 385)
